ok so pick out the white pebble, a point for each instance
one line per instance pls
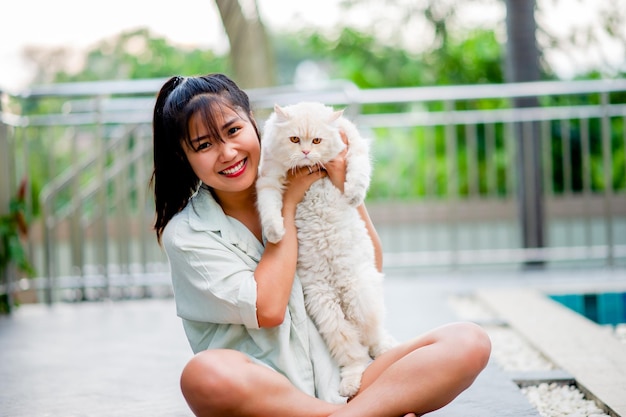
(554, 400)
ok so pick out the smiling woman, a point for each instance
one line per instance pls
(218, 156)
(241, 299)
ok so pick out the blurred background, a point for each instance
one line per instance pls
(442, 42)
(497, 127)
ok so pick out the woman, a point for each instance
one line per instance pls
(257, 351)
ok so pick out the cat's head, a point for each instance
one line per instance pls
(303, 134)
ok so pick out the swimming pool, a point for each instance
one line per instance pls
(602, 308)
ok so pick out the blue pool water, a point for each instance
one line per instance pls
(603, 308)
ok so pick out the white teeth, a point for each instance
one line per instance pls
(234, 169)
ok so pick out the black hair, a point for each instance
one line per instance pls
(180, 98)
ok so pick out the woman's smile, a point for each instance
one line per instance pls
(236, 169)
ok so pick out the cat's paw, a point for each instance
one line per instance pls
(354, 197)
(349, 386)
(383, 345)
(351, 380)
(274, 232)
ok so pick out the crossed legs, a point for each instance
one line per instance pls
(418, 376)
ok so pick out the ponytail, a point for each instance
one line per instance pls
(173, 179)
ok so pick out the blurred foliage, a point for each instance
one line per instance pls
(468, 58)
(139, 54)
(471, 58)
(410, 163)
(13, 227)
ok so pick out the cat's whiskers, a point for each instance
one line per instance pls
(293, 162)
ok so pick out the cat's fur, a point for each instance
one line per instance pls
(336, 265)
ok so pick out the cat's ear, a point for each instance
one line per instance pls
(281, 114)
(336, 115)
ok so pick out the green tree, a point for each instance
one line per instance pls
(139, 54)
(469, 58)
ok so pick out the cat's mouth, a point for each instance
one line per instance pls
(235, 170)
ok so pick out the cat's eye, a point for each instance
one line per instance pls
(294, 139)
(316, 141)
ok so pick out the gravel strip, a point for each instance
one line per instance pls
(513, 353)
(553, 400)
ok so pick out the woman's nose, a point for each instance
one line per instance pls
(228, 151)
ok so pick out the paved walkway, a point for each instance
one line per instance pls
(124, 358)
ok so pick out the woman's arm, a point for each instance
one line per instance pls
(371, 230)
(276, 270)
(336, 170)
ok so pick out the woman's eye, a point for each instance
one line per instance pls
(233, 130)
(317, 141)
(203, 145)
(294, 139)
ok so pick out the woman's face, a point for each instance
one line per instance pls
(228, 164)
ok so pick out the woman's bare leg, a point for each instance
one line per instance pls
(421, 375)
(418, 376)
(227, 383)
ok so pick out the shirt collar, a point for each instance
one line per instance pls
(205, 214)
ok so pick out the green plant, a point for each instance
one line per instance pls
(13, 227)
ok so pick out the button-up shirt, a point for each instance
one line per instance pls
(213, 258)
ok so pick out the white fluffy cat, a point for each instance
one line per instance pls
(342, 287)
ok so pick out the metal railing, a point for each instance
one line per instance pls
(445, 193)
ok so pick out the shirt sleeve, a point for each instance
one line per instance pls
(212, 279)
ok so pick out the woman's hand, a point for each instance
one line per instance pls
(298, 182)
(336, 168)
(275, 272)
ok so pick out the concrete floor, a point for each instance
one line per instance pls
(124, 358)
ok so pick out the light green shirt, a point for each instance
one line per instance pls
(212, 259)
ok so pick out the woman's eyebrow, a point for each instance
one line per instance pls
(225, 126)
(200, 138)
(230, 122)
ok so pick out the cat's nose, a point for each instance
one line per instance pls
(305, 152)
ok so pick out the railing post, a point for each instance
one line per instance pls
(607, 163)
(530, 189)
(5, 198)
(523, 66)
